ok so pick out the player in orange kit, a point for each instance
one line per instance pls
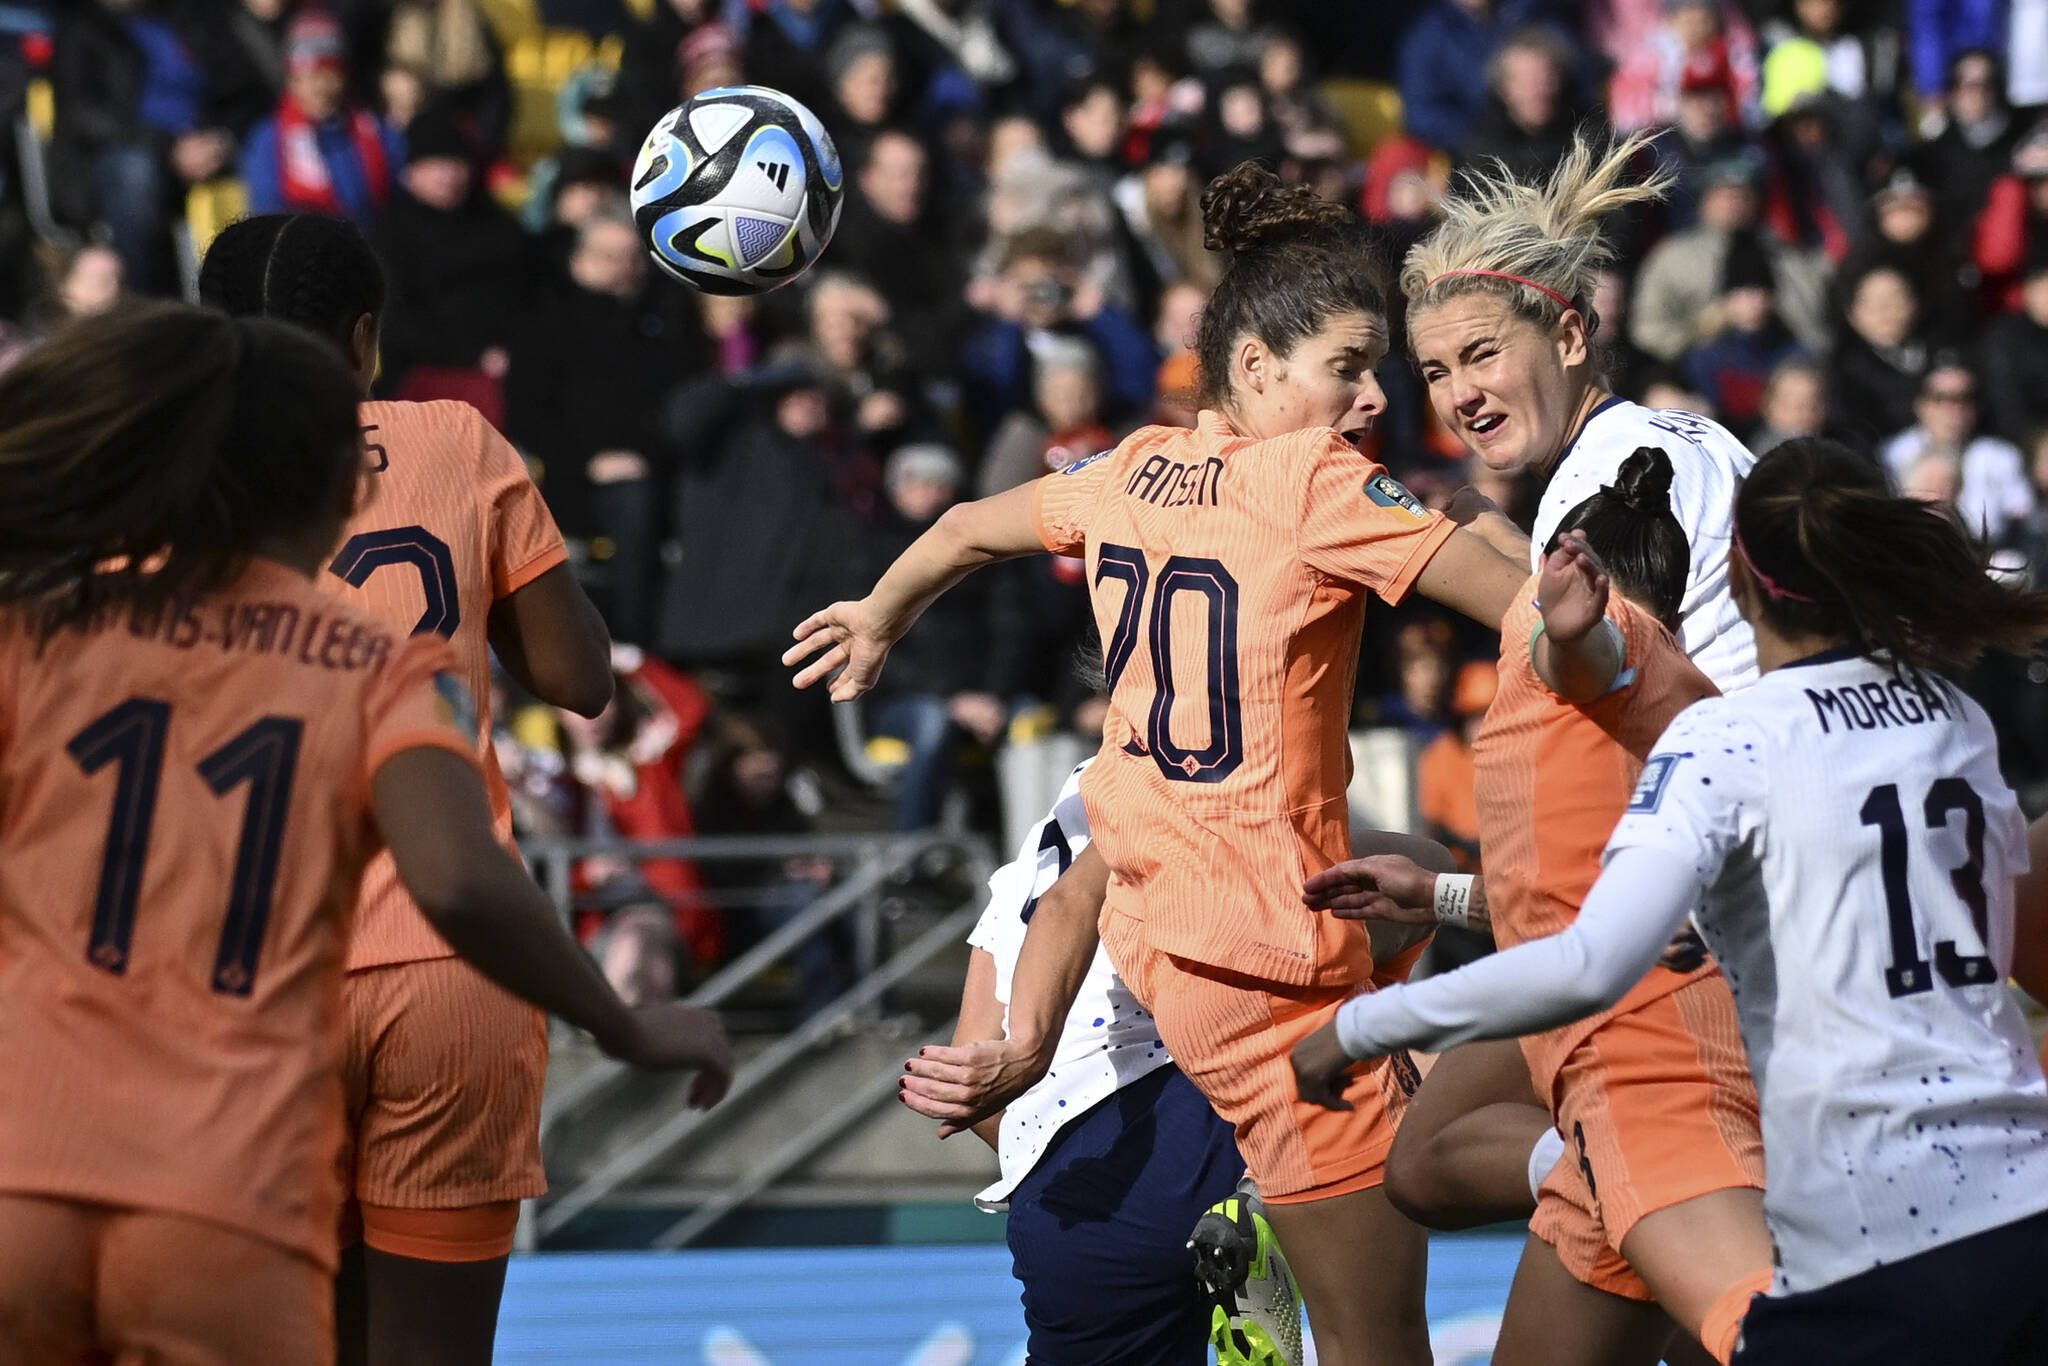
(444, 1070)
(1662, 1201)
(198, 753)
(1230, 566)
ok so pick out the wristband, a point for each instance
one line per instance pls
(1453, 899)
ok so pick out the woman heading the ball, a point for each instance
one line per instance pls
(1230, 567)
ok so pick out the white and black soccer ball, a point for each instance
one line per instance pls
(738, 191)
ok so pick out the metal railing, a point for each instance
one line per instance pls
(870, 867)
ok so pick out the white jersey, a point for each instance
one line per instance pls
(1706, 464)
(1859, 848)
(1109, 1040)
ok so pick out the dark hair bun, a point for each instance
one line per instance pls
(1248, 207)
(1643, 483)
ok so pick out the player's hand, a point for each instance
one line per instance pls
(1382, 887)
(1322, 1069)
(982, 714)
(1572, 588)
(848, 637)
(962, 1085)
(1685, 952)
(673, 1036)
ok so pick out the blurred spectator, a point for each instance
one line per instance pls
(1818, 146)
(581, 183)
(1974, 146)
(873, 394)
(861, 66)
(1732, 367)
(152, 97)
(1529, 122)
(728, 327)
(2015, 219)
(1862, 56)
(1040, 296)
(1933, 478)
(1795, 404)
(752, 493)
(2016, 356)
(787, 41)
(1425, 652)
(87, 282)
(953, 45)
(750, 791)
(442, 54)
(1310, 129)
(1665, 388)
(589, 372)
(1878, 361)
(1679, 276)
(888, 236)
(1063, 425)
(1162, 213)
(595, 153)
(1937, 31)
(459, 264)
(1444, 772)
(2027, 44)
(1449, 40)
(1624, 364)
(1228, 38)
(1706, 42)
(1994, 492)
(1909, 239)
(627, 768)
(1706, 134)
(1173, 332)
(1045, 651)
(1237, 124)
(1091, 129)
(319, 153)
(937, 696)
(2030, 537)
(669, 54)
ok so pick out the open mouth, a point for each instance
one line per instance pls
(1355, 437)
(1485, 425)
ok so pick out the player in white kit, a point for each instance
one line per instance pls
(1856, 848)
(1501, 323)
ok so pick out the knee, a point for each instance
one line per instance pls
(1414, 1187)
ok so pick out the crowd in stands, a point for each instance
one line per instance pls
(1857, 244)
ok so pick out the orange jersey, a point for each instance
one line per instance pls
(1552, 779)
(184, 816)
(1443, 790)
(1229, 579)
(450, 523)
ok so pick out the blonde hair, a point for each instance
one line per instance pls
(1497, 227)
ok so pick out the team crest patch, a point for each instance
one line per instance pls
(1389, 492)
(458, 708)
(1649, 794)
(1084, 462)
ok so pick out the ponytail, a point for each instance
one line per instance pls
(1631, 527)
(145, 452)
(1833, 552)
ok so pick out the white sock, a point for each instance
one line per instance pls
(1542, 1158)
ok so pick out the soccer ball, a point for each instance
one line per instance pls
(737, 191)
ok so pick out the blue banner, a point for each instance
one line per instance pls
(870, 1306)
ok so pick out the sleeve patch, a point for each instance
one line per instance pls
(457, 707)
(1084, 462)
(1388, 492)
(1649, 794)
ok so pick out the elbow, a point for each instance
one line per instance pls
(455, 894)
(588, 693)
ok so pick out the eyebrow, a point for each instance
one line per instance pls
(1465, 353)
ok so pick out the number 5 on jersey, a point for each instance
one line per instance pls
(1220, 757)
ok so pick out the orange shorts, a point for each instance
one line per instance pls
(82, 1282)
(443, 1073)
(1657, 1108)
(1232, 1036)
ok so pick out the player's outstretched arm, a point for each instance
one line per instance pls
(551, 639)
(1470, 576)
(1641, 899)
(854, 638)
(431, 807)
(1393, 889)
(1580, 653)
(963, 1086)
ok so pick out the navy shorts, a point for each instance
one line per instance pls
(1981, 1301)
(1099, 1229)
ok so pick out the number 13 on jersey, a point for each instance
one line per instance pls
(1150, 607)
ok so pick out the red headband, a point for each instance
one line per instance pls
(1770, 585)
(1517, 279)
